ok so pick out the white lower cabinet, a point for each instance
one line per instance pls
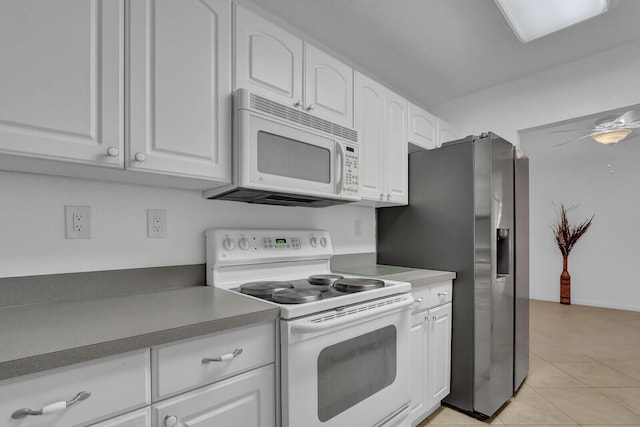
(224, 379)
(245, 400)
(430, 349)
(139, 418)
(78, 395)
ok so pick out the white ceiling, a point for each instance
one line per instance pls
(433, 51)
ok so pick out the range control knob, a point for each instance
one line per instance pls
(243, 244)
(323, 242)
(313, 242)
(228, 244)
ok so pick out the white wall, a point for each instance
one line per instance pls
(32, 233)
(604, 266)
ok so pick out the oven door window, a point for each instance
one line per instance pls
(290, 158)
(351, 371)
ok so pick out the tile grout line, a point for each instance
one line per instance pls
(552, 404)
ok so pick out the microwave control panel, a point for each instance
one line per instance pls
(351, 178)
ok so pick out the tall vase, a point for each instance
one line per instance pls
(565, 283)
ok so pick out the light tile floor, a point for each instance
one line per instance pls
(584, 370)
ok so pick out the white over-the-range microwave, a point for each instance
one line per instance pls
(284, 156)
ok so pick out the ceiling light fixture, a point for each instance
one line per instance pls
(611, 137)
(531, 19)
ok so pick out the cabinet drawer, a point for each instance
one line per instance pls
(117, 384)
(140, 418)
(440, 293)
(182, 366)
(245, 400)
(421, 297)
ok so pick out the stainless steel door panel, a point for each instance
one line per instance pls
(493, 377)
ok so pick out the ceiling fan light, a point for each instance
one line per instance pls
(611, 136)
(531, 19)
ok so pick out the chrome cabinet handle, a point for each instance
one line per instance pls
(419, 300)
(298, 103)
(140, 157)
(113, 151)
(311, 107)
(443, 294)
(51, 408)
(224, 357)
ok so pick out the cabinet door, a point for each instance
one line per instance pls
(418, 365)
(423, 128)
(439, 354)
(246, 400)
(446, 132)
(328, 87)
(369, 121)
(61, 86)
(395, 138)
(268, 60)
(179, 88)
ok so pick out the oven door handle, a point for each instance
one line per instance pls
(348, 316)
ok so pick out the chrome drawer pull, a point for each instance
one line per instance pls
(443, 294)
(418, 300)
(52, 407)
(224, 357)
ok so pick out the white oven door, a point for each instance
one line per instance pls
(348, 367)
(282, 157)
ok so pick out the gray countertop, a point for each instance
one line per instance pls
(43, 336)
(415, 276)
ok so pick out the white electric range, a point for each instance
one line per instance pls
(344, 340)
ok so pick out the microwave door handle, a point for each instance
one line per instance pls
(340, 170)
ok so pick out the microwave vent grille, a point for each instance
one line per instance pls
(296, 116)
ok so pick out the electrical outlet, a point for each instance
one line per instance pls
(156, 223)
(77, 222)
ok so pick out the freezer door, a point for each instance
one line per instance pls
(494, 292)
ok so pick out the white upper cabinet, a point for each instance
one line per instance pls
(423, 128)
(268, 59)
(61, 86)
(446, 132)
(328, 87)
(369, 121)
(395, 139)
(380, 116)
(180, 88)
(275, 63)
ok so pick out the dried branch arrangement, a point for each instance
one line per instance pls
(567, 235)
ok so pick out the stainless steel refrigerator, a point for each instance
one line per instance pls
(468, 213)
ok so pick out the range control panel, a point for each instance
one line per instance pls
(245, 246)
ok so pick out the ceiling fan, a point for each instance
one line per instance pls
(608, 130)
